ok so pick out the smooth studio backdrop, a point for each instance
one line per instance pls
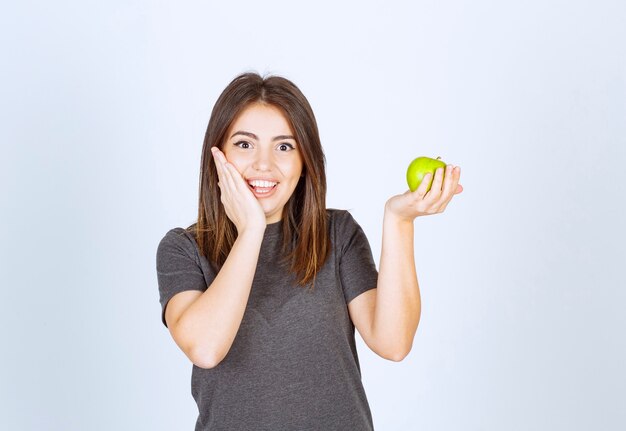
(103, 111)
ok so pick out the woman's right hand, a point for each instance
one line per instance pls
(241, 206)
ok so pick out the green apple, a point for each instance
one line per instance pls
(420, 167)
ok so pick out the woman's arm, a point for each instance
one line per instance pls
(387, 317)
(204, 324)
(398, 305)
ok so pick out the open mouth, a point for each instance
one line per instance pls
(262, 187)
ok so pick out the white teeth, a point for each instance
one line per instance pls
(261, 183)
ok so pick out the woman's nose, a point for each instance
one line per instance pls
(262, 160)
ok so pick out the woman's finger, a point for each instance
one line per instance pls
(450, 187)
(435, 189)
(218, 163)
(221, 176)
(421, 190)
(457, 188)
(218, 166)
(448, 182)
(226, 176)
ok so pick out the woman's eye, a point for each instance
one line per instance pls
(243, 144)
(286, 147)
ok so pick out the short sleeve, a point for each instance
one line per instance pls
(178, 267)
(357, 269)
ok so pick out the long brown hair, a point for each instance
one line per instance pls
(305, 236)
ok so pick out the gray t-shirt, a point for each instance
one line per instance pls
(293, 364)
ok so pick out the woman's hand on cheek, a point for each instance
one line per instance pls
(240, 204)
(410, 205)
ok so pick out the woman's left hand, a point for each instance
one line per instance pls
(410, 205)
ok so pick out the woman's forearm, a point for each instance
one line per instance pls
(398, 304)
(208, 327)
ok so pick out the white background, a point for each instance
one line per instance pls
(104, 106)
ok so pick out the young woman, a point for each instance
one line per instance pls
(264, 292)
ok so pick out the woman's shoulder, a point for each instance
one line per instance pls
(341, 220)
(177, 232)
(180, 237)
(338, 214)
(346, 232)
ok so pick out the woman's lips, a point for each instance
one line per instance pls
(262, 187)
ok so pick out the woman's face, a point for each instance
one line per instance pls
(262, 147)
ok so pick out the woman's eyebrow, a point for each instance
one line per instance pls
(281, 137)
(248, 134)
(253, 136)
